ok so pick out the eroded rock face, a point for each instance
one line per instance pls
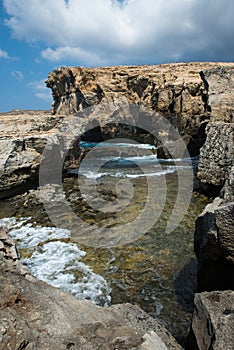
(22, 140)
(35, 315)
(187, 93)
(213, 320)
(23, 137)
(214, 246)
(217, 154)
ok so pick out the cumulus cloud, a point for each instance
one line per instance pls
(130, 31)
(71, 53)
(18, 75)
(40, 90)
(4, 54)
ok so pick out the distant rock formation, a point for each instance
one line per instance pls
(188, 94)
(188, 90)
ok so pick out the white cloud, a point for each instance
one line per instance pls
(4, 54)
(71, 53)
(132, 31)
(40, 90)
(18, 75)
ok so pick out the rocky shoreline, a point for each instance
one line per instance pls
(197, 99)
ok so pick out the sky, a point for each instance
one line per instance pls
(37, 36)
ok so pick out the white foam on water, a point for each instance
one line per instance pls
(143, 159)
(30, 236)
(135, 176)
(86, 144)
(13, 222)
(57, 263)
(121, 174)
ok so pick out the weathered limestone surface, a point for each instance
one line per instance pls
(23, 137)
(213, 320)
(214, 235)
(217, 154)
(188, 93)
(22, 140)
(35, 315)
(214, 246)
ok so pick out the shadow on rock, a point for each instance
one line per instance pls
(186, 284)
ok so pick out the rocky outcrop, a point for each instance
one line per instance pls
(213, 320)
(214, 234)
(22, 140)
(217, 154)
(23, 137)
(35, 315)
(214, 246)
(187, 89)
(188, 94)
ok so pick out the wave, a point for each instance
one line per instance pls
(87, 144)
(148, 159)
(58, 264)
(122, 174)
(55, 262)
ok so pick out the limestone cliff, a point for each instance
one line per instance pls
(188, 93)
(217, 154)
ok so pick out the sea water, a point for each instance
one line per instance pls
(157, 271)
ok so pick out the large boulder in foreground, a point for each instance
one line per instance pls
(213, 320)
(35, 315)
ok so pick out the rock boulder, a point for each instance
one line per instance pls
(214, 246)
(213, 320)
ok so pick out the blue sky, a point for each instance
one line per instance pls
(37, 36)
